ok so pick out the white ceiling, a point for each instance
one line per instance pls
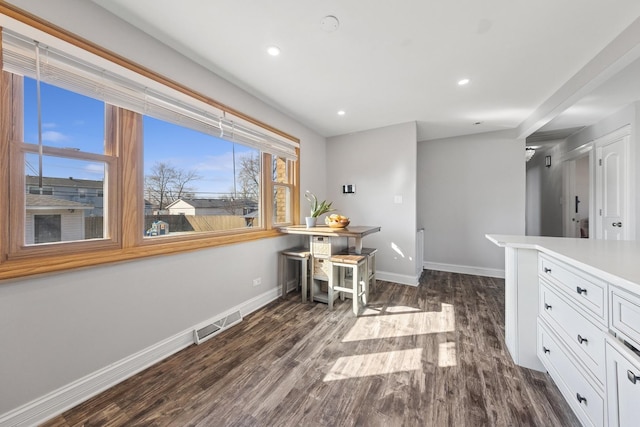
(394, 62)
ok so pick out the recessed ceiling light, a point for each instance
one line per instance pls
(341, 113)
(463, 82)
(329, 23)
(273, 50)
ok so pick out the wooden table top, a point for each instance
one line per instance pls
(349, 231)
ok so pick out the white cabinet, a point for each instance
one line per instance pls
(586, 295)
(571, 336)
(623, 384)
(588, 333)
(625, 315)
(583, 397)
(582, 337)
(587, 291)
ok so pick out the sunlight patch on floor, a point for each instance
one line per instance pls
(364, 365)
(447, 354)
(401, 321)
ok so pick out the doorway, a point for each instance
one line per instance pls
(596, 192)
(577, 190)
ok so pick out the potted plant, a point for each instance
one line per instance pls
(317, 208)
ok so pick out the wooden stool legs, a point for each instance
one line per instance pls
(359, 279)
(296, 254)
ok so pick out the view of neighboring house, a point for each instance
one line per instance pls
(49, 219)
(212, 207)
(84, 191)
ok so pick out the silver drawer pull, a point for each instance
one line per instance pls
(581, 340)
(581, 290)
(581, 399)
(632, 377)
(546, 350)
(547, 306)
(547, 270)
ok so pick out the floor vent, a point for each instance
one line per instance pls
(211, 329)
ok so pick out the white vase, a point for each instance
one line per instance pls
(310, 221)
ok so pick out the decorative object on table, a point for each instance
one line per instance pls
(337, 221)
(317, 208)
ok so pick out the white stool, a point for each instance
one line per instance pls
(359, 280)
(371, 267)
(302, 255)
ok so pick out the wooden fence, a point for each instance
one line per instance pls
(93, 226)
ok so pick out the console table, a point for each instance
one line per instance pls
(323, 243)
(356, 232)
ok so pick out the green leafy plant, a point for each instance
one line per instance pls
(317, 208)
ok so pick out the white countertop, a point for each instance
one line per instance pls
(616, 261)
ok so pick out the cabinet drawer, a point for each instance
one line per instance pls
(581, 336)
(623, 385)
(325, 246)
(588, 291)
(625, 315)
(321, 268)
(581, 395)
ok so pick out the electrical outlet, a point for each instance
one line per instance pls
(257, 281)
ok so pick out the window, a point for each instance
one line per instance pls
(208, 185)
(34, 189)
(63, 147)
(283, 178)
(104, 156)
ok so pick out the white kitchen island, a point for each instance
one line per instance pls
(572, 308)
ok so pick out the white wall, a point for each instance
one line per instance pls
(467, 187)
(544, 192)
(381, 163)
(60, 328)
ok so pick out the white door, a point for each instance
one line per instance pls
(612, 187)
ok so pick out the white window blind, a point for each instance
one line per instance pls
(63, 70)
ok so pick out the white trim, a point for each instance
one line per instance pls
(403, 279)
(577, 152)
(465, 269)
(66, 397)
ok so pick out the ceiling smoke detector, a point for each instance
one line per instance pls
(329, 23)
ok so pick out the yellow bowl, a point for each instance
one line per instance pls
(337, 224)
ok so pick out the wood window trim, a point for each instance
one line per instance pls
(124, 194)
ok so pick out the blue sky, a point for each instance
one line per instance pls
(74, 121)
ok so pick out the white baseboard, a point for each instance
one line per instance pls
(465, 269)
(58, 401)
(403, 279)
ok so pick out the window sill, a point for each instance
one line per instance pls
(23, 267)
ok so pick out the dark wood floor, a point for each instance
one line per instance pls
(432, 355)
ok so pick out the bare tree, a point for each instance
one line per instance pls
(180, 183)
(249, 177)
(166, 184)
(247, 185)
